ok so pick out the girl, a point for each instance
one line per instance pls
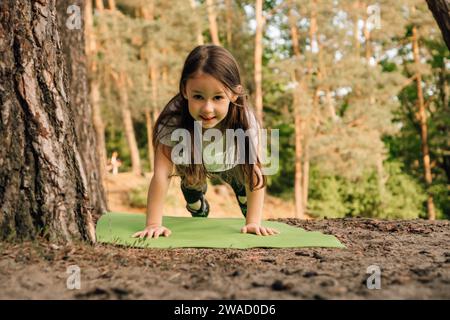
(210, 94)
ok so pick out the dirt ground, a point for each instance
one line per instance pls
(413, 257)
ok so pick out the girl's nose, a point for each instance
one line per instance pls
(208, 106)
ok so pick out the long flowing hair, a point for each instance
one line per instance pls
(220, 64)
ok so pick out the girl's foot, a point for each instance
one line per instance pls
(203, 211)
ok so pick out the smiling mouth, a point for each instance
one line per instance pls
(207, 119)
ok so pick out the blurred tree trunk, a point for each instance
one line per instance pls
(99, 4)
(147, 13)
(121, 81)
(258, 60)
(315, 103)
(423, 124)
(229, 19)
(48, 168)
(149, 126)
(441, 13)
(330, 105)
(94, 88)
(367, 43)
(154, 83)
(112, 5)
(213, 29)
(298, 122)
(198, 26)
(357, 44)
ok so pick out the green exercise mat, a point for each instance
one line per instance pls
(188, 232)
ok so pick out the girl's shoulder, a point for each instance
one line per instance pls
(170, 121)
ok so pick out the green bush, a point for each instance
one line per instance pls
(401, 197)
(137, 197)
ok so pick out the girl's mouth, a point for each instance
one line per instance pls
(207, 119)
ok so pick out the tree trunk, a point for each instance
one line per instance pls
(148, 122)
(121, 80)
(258, 60)
(367, 43)
(121, 83)
(94, 87)
(297, 96)
(48, 178)
(305, 177)
(357, 44)
(148, 14)
(212, 22)
(330, 105)
(198, 27)
(112, 5)
(441, 13)
(298, 191)
(99, 4)
(313, 29)
(154, 80)
(229, 18)
(423, 125)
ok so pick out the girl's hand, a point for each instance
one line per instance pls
(153, 231)
(258, 230)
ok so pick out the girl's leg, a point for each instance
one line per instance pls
(241, 196)
(196, 201)
(231, 177)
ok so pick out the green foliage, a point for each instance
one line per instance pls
(137, 197)
(334, 197)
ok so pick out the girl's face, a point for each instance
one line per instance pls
(208, 99)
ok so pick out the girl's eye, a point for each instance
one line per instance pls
(197, 97)
(218, 97)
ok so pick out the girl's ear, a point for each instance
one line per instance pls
(239, 89)
(184, 94)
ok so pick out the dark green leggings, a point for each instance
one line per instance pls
(193, 195)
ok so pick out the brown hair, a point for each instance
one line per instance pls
(219, 63)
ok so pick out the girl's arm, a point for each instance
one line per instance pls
(156, 194)
(255, 203)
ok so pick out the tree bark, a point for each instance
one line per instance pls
(49, 182)
(441, 13)
(423, 125)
